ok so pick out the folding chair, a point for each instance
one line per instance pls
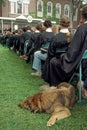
(79, 74)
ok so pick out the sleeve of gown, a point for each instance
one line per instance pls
(75, 46)
(51, 49)
(39, 42)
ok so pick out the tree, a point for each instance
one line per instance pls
(74, 6)
(2, 2)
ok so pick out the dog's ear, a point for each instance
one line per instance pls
(24, 105)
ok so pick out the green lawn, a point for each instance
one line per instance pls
(16, 84)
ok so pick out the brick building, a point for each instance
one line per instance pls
(41, 9)
(15, 8)
(54, 9)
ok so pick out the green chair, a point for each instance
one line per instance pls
(79, 75)
(45, 47)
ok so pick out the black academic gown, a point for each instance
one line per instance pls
(23, 37)
(59, 44)
(60, 69)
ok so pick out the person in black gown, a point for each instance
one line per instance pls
(60, 69)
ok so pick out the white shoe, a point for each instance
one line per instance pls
(36, 73)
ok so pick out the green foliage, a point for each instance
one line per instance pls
(16, 83)
(2, 2)
(53, 18)
(33, 14)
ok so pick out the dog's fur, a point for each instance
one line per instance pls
(56, 101)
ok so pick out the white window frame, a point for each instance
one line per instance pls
(26, 1)
(12, 10)
(51, 9)
(17, 9)
(40, 13)
(25, 7)
(58, 5)
(66, 6)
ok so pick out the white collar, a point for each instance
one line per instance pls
(37, 31)
(65, 30)
(85, 22)
(28, 30)
(48, 30)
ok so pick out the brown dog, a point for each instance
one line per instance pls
(56, 101)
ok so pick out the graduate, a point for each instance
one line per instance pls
(61, 69)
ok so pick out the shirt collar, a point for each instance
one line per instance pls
(28, 30)
(48, 30)
(65, 30)
(85, 22)
(37, 31)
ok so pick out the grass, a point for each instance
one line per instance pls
(16, 84)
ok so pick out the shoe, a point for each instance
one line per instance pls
(36, 74)
(23, 56)
(44, 87)
(47, 87)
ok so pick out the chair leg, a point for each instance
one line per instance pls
(80, 80)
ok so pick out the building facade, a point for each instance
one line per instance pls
(41, 9)
(15, 8)
(54, 9)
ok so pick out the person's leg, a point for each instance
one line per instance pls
(85, 87)
(38, 56)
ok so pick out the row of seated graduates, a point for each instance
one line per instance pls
(38, 40)
(17, 40)
(24, 41)
(4, 37)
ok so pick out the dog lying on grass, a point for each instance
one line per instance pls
(56, 100)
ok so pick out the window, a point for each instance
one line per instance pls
(66, 10)
(49, 8)
(58, 10)
(25, 7)
(26, 1)
(12, 7)
(19, 7)
(40, 8)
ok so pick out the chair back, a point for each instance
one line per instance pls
(79, 75)
(84, 55)
(61, 50)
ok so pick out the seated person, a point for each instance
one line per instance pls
(34, 42)
(61, 69)
(45, 37)
(60, 42)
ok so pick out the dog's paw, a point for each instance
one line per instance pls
(50, 122)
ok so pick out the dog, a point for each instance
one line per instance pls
(56, 100)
